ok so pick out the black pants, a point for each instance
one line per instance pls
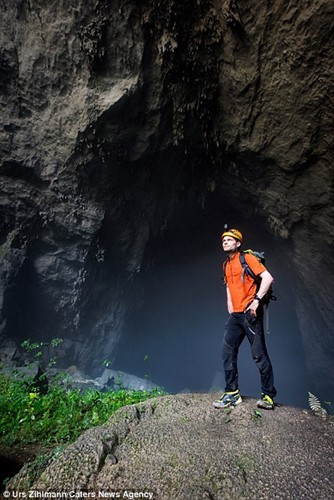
(238, 326)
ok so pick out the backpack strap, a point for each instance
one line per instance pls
(224, 272)
(247, 270)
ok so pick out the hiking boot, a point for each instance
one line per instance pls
(266, 402)
(228, 399)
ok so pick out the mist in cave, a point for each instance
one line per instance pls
(174, 334)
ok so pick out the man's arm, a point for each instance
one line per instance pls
(229, 300)
(266, 281)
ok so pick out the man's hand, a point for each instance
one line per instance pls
(266, 281)
(253, 307)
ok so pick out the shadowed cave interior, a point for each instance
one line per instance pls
(173, 335)
(176, 304)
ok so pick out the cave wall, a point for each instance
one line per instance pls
(118, 118)
(279, 129)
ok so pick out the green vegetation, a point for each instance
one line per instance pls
(315, 404)
(36, 350)
(60, 415)
(256, 415)
(44, 412)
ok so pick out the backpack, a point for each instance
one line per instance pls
(247, 270)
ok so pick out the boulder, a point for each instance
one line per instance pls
(181, 447)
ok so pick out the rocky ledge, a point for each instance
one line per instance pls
(180, 447)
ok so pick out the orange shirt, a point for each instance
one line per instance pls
(242, 287)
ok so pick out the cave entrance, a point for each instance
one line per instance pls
(173, 334)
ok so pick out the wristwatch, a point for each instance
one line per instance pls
(257, 298)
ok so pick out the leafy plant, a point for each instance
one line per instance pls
(37, 350)
(60, 415)
(315, 405)
(256, 415)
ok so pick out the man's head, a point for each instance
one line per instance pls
(231, 240)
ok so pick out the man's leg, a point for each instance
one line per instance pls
(256, 337)
(233, 336)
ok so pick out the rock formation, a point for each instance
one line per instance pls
(121, 120)
(181, 447)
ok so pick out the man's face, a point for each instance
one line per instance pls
(230, 245)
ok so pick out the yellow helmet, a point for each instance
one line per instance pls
(234, 233)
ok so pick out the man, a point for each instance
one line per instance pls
(246, 319)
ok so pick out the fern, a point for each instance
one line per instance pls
(315, 404)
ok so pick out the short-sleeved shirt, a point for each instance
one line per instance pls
(241, 286)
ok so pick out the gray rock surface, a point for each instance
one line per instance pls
(121, 119)
(180, 447)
